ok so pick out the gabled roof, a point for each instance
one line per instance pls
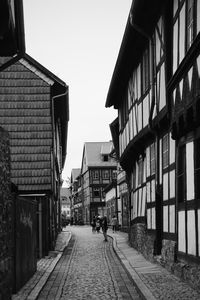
(74, 174)
(92, 155)
(65, 192)
(59, 93)
(60, 96)
(140, 24)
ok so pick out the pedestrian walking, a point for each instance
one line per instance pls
(98, 225)
(114, 223)
(93, 224)
(104, 225)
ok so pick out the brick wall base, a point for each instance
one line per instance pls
(141, 241)
(187, 271)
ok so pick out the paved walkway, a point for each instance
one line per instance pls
(151, 280)
(89, 269)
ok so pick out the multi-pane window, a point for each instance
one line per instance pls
(188, 195)
(138, 189)
(114, 174)
(105, 174)
(186, 26)
(95, 174)
(168, 180)
(165, 151)
(150, 187)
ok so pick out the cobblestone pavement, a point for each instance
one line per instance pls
(88, 269)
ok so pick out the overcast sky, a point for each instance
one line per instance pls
(79, 41)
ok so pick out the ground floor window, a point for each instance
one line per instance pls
(188, 194)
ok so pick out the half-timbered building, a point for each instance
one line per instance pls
(76, 198)
(155, 88)
(98, 169)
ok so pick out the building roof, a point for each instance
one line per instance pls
(59, 92)
(92, 153)
(75, 173)
(140, 24)
(65, 192)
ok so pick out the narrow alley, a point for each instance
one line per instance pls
(88, 269)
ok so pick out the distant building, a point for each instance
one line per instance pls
(98, 169)
(65, 200)
(76, 197)
(112, 206)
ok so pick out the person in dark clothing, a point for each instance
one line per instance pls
(93, 224)
(98, 224)
(104, 226)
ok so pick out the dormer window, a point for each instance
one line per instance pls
(105, 157)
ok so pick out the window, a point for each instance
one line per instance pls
(114, 174)
(96, 192)
(124, 111)
(105, 174)
(145, 72)
(185, 28)
(181, 173)
(140, 171)
(190, 22)
(95, 174)
(165, 151)
(188, 195)
(152, 159)
(105, 157)
(197, 168)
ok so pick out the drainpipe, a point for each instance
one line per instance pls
(158, 245)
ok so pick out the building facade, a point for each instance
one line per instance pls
(76, 197)
(98, 169)
(34, 110)
(65, 200)
(12, 45)
(155, 88)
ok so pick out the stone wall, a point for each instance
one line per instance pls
(141, 241)
(187, 271)
(6, 219)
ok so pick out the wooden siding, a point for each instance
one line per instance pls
(25, 112)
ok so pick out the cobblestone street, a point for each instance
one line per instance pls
(88, 269)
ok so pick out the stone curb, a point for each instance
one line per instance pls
(139, 284)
